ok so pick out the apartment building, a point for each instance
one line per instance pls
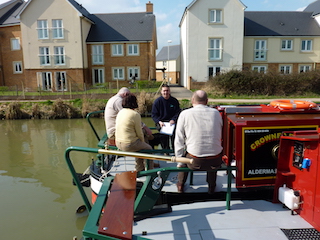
(219, 35)
(55, 45)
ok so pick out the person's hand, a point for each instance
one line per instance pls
(171, 122)
(161, 124)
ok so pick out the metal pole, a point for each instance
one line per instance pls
(169, 41)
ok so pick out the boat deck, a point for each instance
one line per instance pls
(247, 219)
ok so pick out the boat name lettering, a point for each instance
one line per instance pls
(262, 171)
(265, 139)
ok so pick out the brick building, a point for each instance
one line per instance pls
(55, 45)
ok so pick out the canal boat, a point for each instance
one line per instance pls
(281, 203)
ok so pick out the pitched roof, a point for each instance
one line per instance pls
(313, 7)
(10, 11)
(193, 2)
(122, 27)
(279, 23)
(80, 9)
(174, 53)
(75, 4)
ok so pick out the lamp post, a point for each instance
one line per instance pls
(168, 78)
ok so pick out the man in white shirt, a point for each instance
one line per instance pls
(198, 136)
(113, 106)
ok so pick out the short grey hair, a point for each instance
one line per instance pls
(124, 91)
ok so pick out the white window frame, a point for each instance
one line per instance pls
(215, 16)
(15, 44)
(44, 80)
(98, 76)
(260, 50)
(260, 69)
(42, 28)
(285, 69)
(305, 68)
(59, 56)
(164, 63)
(133, 49)
(118, 73)
(117, 49)
(286, 44)
(306, 45)
(61, 81)
(135, 71)
(17, 67)
(97, 54)
(44, 56)
(215, 49)
(216, 70)
(57, 29)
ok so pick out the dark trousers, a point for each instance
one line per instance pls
(165, 139)
(203, 164)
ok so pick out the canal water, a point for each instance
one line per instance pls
(37, 198)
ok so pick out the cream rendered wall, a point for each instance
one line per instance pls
(198, 32)
(183, 51)
(276, 55)
(72, 42)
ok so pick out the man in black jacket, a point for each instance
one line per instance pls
(165, 109)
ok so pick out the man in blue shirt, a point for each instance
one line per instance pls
(165, 109)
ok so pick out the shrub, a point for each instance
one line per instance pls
(253, 83)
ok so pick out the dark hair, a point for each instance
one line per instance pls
(165, 85)
(130, 101)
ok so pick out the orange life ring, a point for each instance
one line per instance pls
(288, 104)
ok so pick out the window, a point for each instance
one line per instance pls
(59, 56)
(15, 44)
(118, 73)
(285, 69)
(44, 80)
(44, 56)
(306, 45)
(57, 29)
(215, 50)
(260, 50)
(215, 16)
(61, 81)
(304, 68)
(42, 29)
(261, 69)
(97, 54)
(17, 67)
(286, 45)
(164, 63)
(133, 49)
(214, 71)
(117, 50)
(133, 73)
(97, 75)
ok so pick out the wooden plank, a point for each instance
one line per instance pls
(117, 218)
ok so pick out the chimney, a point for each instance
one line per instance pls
(149, 6)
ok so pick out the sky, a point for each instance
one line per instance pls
(169, 12)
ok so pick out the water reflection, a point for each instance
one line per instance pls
(36, 188)
(38, 200)
(37, 195)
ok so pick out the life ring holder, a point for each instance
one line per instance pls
(288, 104)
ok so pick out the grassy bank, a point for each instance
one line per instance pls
(78, 108)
